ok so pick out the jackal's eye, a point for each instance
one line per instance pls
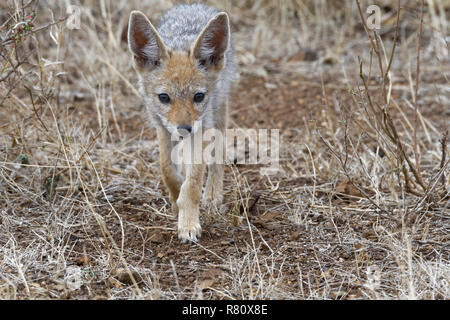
(199, 97)
(164, 98)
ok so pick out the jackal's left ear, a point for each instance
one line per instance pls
(144, 42)
(212, 43)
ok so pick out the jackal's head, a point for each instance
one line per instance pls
(178, 86)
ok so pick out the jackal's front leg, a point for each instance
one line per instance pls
(188, 202)
(172, 179)
(214, 184)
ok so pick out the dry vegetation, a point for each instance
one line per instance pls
(359, 209)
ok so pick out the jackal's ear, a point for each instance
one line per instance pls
(212, 43)
(144, 42)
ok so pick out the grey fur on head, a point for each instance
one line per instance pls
(180, 30)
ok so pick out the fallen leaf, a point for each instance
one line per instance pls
(346, 187)
(304, 54)
(272, 215)
(158, 237)
(126, 276)
(204, 284)
(294, 236)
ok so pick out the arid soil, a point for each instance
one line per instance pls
(257, 246)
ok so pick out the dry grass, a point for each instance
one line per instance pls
(354, 213)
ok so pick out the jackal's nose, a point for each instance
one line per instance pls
(187, 128)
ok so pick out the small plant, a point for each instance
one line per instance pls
(378, 126)
(13, 34)
(15, 49)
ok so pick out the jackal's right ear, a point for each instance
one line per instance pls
(144, 42)
(212, 43)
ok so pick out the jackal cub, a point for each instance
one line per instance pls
(185, 69)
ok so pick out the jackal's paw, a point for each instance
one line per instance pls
(189, 229)
(212, 198)
(212, 206)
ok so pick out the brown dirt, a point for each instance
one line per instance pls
(286, 252)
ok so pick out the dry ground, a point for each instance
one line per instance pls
(84, 213)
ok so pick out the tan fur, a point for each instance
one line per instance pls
(189, 201)
(214, 183)
(172, 179)
(181, 70)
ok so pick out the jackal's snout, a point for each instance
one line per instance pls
(182, 116)
(184, 129)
